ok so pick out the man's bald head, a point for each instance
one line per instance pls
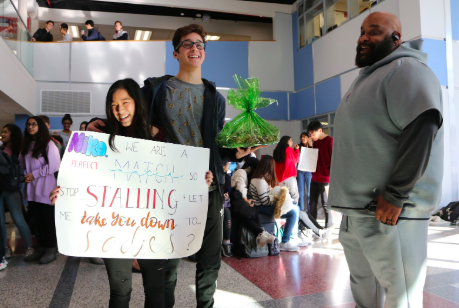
(380, 35)
(385, 19)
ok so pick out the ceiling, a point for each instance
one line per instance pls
(115, 7)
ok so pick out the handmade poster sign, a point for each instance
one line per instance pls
(308, 159)
(146, 201)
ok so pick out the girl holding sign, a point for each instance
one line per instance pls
(127, 116)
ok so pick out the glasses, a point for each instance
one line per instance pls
(32, 124)
(189, 44)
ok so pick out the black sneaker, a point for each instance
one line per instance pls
(226, 250)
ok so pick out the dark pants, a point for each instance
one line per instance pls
(227, 224)
(319, 194)
(13, 202)
(208, 257)
(119, 273)
(253, 223)
(43, 217)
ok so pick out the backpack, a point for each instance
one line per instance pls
(248, 245)
(274, 248)
(11, 172)
(450, 212)
(101, 38)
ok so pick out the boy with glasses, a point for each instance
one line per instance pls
(192, 112)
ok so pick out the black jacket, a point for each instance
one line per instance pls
(92, 35)
(43, 36)
(213, 119)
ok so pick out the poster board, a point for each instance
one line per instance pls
(308, 159)
(147, 201)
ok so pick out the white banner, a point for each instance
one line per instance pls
(146, 201)
(308, 159)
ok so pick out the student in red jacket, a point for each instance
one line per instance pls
(286, 159)
(321, 178)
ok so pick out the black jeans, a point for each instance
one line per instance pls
(227, 224)
(43, 217)
(319, 194)
(208, 257)
(119, 273)
(253, 223)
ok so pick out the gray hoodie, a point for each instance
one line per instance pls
(384, 99)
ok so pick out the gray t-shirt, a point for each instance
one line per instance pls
(184, 107)
(384, 99)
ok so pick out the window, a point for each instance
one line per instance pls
(314, 23)
(318, 17)
(327, 121)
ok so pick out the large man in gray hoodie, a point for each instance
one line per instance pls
(388, 149)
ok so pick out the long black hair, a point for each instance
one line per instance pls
(279, 151)
(42, 138)
(141, 118)
(301, 141)
(16, 138)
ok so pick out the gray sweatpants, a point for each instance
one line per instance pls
(385, 261)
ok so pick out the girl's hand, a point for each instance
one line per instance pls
(54, 194)
(135, 264)
(296, 146)
(226, 196)
(153, 130)
(55, 133)
(209, 177)
(28, 178)
(250, 202)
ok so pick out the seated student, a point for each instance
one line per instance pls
(262, 181)
(244, 208)
(226, 245)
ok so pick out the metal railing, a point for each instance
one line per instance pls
(14, 32)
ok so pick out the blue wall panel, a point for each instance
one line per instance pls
(302, 60)
(274, 111)
(223, 60)
(437, 58)
(455, 19)
(302, 104)
(328, 95)
(20, 120)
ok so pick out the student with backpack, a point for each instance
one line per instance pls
(93, 34)
(40, 159)
(10, 194)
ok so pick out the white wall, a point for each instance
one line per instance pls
(410, 15)
(433, 18)
(15, 81)
(446, 185)
(456, 63)
(272, 62)
(257, 31)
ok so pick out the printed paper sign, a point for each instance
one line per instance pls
(146, 201)
(308, 159)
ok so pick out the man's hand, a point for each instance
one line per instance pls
(135, 264)
(94, 126)
(386, 212)
(241, 152)
(33, 39)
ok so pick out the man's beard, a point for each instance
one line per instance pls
(377, 52)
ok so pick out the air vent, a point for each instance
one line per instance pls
(74, 102)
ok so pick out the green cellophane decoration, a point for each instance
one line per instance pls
(247, 129)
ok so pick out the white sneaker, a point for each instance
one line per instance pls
(324, 234)
(302, 241)
(3, 264)
(289, 246)
(7, 252)
(264, 238)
